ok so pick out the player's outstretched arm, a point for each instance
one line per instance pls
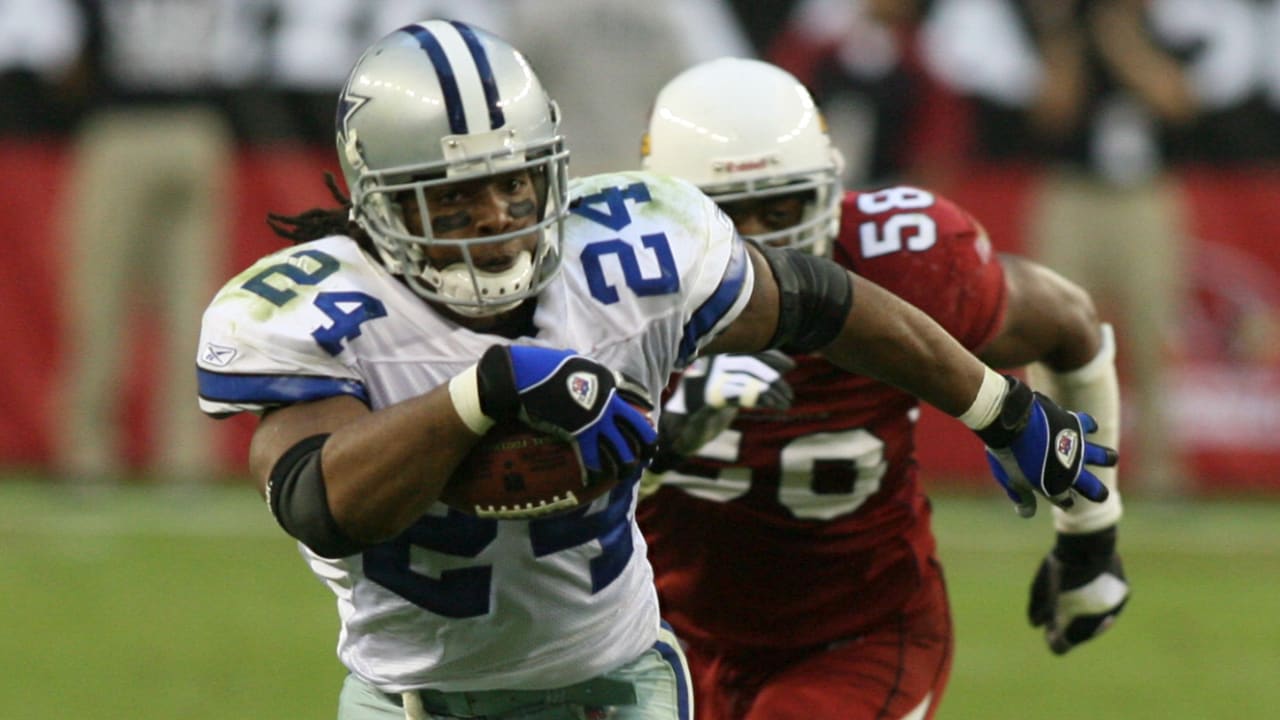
(1079, 588)
(1051, 326)
(806, 304)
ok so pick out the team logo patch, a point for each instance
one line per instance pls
(583, 387)
(218, 355)
(1065, 446)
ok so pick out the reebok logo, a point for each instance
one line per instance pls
(218, 355)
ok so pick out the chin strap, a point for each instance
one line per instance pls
(455, 282)
(1094, 389)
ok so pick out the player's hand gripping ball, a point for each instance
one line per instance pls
(516, 473)
(566, 431)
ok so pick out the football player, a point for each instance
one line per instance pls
(469, 282)
(793, 551)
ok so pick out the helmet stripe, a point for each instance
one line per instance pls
(444, 73)
(487, 80)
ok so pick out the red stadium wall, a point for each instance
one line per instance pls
(279, 179)
(1226, 391)
(1226, 387)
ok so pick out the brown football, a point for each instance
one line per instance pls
(516, 472)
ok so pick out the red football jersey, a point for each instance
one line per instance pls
(796, 529)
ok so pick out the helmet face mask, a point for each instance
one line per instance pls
(813, 232)
(439, 103)
(747, 130)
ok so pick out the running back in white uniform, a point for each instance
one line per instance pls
(652, 271)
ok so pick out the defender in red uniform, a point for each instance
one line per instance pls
(792, 549)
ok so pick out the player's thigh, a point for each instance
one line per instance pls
(861, 680)
(896, 672)
(726, 681)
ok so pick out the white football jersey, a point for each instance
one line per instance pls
(652, 271)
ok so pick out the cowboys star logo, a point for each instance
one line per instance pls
(348, 105)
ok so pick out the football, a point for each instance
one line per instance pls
(516, 472)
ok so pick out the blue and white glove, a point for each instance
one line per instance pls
(1035, 447)
(574, 397)
(1079, 589)
(708, 396)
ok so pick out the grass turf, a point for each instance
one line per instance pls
(149, 602)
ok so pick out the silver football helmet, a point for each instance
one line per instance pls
(440, 102)
(744, 129)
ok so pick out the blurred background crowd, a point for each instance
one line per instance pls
(1133, 145)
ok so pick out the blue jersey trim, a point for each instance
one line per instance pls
(673, 657)
(444, 73)
(721, 301)
(275, 389)
(487, 80)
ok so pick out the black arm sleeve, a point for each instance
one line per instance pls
(299, 503)
(815, 296)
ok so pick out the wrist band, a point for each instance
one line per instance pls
(986, 406)
(464, 390)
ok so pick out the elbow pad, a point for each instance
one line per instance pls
(296, 495)
(815, 296)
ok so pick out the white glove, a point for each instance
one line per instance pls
(710, 393)
(1079, 589)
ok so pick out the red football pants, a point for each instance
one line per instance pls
(883, 674)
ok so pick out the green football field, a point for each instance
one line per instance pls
(163, 603)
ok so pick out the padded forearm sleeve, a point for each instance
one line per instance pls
(815, 296)
(1093, 389)
(298, 500)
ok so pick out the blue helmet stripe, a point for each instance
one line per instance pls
(487, 80)
(707, 316)
(444, 73)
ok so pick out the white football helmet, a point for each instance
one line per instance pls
(439, 102)
(744, 129)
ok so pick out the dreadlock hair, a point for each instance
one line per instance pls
(322, 222)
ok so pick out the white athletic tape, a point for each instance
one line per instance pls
(986, 405)
(464, 390)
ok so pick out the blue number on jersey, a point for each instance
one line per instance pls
(346, 322)
(614, 215)
(258, 284)
(609, 526)
(464, 592)
(458, 593)
(666, 282)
